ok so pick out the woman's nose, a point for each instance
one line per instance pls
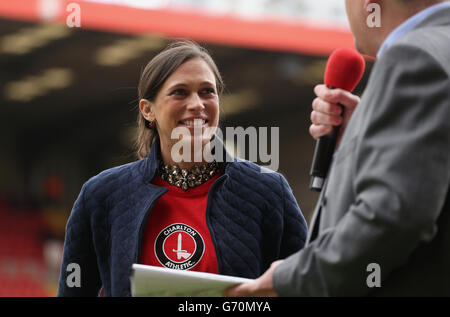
(195, 103)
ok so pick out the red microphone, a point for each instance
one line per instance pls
(344, 70)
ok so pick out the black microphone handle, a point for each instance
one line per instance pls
(323, 153)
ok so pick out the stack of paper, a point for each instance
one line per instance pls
(158, 281)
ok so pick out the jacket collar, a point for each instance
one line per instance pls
(151, 162)
(433, 16)
(440, 18)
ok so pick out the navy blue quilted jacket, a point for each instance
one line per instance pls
(253, 219)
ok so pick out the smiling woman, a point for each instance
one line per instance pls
(170, 77)
(227, 216)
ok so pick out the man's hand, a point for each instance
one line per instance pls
(327, 111)
(261, 287)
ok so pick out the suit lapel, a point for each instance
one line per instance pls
(315, 222)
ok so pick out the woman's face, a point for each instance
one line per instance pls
(186, 105)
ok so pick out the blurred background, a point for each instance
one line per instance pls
(68, 98)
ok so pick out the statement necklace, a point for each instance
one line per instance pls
(184, 178)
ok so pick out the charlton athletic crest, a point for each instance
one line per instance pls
(179, 247)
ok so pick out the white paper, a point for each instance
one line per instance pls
(163, 282)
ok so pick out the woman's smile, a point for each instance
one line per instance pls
(194, 122)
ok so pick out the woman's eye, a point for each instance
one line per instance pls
(179, 92)
(209, 91)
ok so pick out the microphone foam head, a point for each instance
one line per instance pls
(345, 68)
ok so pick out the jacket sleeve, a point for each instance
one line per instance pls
(295, 229)
(79, 273)
(400, 181)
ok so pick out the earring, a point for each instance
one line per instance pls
(150, 125)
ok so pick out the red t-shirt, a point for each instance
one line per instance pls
(176, 235)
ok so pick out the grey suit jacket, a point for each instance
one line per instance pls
(386, 199)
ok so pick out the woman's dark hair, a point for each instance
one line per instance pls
(154, 76)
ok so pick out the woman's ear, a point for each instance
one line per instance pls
(147, 109)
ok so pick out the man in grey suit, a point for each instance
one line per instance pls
(382, 223)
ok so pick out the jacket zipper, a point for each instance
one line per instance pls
(144, 221)
(208, 220)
